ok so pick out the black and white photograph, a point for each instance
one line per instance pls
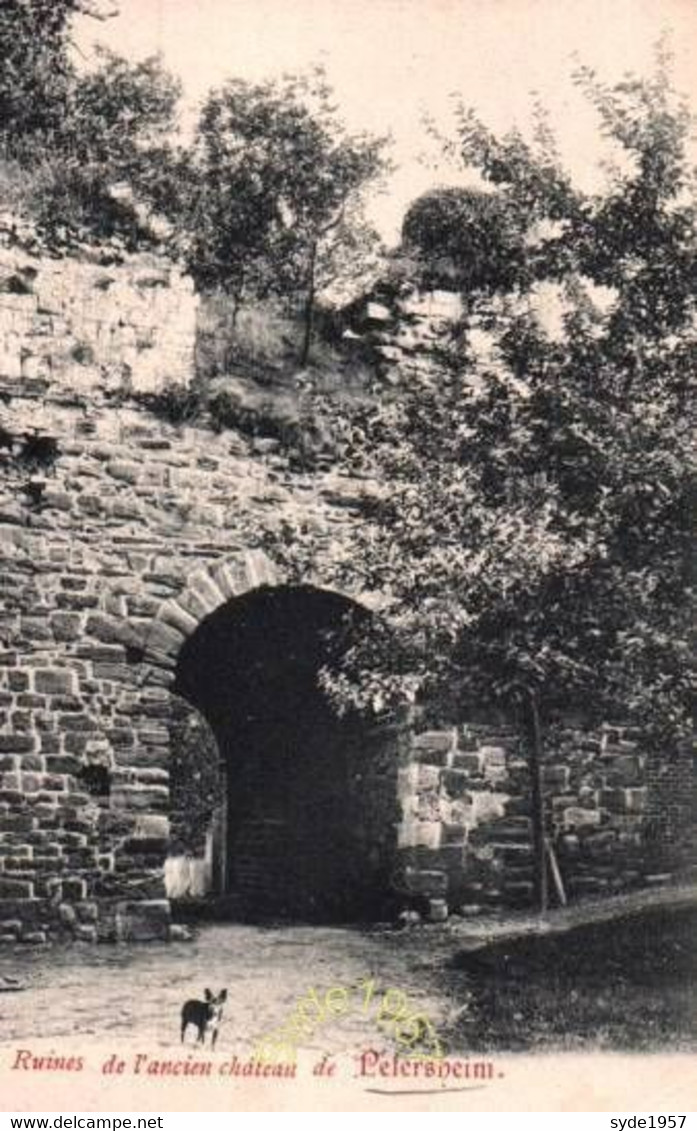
(348, 557)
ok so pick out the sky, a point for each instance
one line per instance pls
(391, 61)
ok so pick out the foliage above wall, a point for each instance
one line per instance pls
(276, 207)
(536, 528)
(87, 153)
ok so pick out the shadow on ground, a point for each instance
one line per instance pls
(630, 984)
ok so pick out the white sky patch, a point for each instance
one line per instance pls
(391, 60)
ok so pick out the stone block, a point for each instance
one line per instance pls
(576, 818)
(63, 764)
(79, 723)
(142, 847)
(511, 829)
(510, 853)
(471, 762)
(17, 743)
(163, 641)
(601, 843)
(32, 783)
(422, 834)
(556, 777)
(15, 889)
(206, 589)
(449, 858)
(456, 782)
(134, 798)
(453, 834)
(378, 312)
(34, 938)
(436, 910)
(151, 826)
(518, 893)
(144, 921)
(626, 770)
(109, 629)
(67, 914)
(86, 932)
(428, 777)
(495, 769)
(179, 618)
(488, 806)
(11, 797)
(624, 800)
(33, 702)
(586, 885)
(493, 755)
(55, 681)
(77, 601)
(126, 471)
(635, 799)
(424, 882)
(434, 740)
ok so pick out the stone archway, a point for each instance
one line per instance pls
(206, 590)
(310, 815)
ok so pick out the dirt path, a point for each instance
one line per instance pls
(508, 999)
(137, 992)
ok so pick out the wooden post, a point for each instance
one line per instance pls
(556, 873)
(309, 311)
(537, 798)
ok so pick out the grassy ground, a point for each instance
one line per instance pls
(630, 984)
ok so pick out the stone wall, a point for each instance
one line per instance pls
(121, 323)
(118, 536)
(402, 334)
(136, 532)
(617, 816)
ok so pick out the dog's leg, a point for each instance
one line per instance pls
(214, 1037)
(184, 1024)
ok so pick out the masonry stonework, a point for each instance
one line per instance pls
(106, 319)
(118, 538)
(618, 816)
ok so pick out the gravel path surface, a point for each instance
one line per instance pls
(136, 992)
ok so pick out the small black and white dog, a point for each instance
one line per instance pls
(206, 1015)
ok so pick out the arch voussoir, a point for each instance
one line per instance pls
(174, 614)
(163, 641)
(206, 590)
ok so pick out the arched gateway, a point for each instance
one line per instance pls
(306, 818)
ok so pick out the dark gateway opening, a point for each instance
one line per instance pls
(310, 818)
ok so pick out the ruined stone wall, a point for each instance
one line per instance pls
(617, 816)
(117, 538)
(402, 335)
(121, 323)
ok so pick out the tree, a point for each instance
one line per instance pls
(36, 71)
(465, 238)
(116, 161)
(280, 184)
(535, 523)
(77, 134)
